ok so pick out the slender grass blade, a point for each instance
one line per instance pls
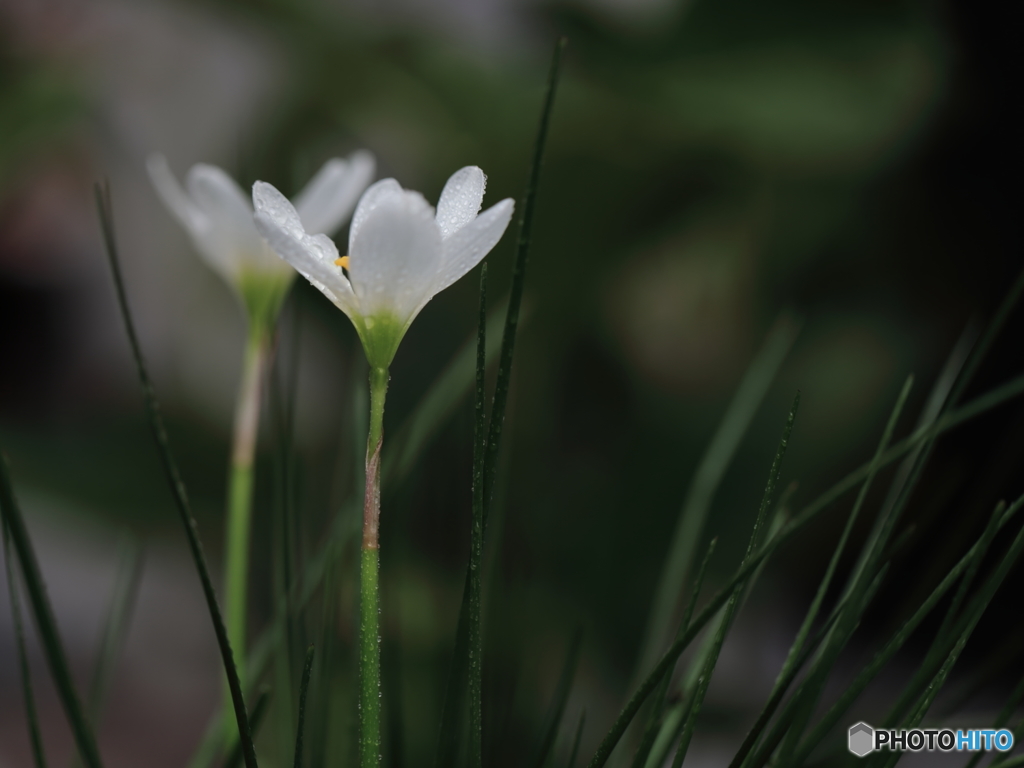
(34, 733)
(655, 720)
(883, 656)
(970, 620)
(697, 700)
(561, 698)
(515, 300)
(307, 668)
(706, 479)
(576, 739)
(259, 710)
(174, 479)
(455, 694)
(46, 623)
(115, 631)
(475, 659)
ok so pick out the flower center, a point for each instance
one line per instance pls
(342, 262)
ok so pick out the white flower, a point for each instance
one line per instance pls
(400, 253)
(218, 217)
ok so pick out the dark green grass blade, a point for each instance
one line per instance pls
(259, 710)
(574, 752)
(455, 693)
(1015, 762)
(46, 624)
(654, 722)
(783, 683)
(820, 669)
(476, 547)
(704, 681)
(883, 656)
(966, 623)
(561, 698)
(992, 331)
(307, 668)
(982, 404)
(819, 597)
(670, 657)
(969, 622)
(175, 481)
(288, 660)
(438, 403)
(1012, 702)
(31, 716)
(115, 631)
(515, 299)
(705, 482)
(901, 487)
(941, 642)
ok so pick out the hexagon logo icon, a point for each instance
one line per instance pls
(861, 739)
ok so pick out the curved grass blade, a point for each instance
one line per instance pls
(515, 298)
(174, 479)
(46, 624)
(657, 710)
(438, 403)
(992, 331)
(697, 700)
(942, 639)
(122, 606)
(970, 621)
(577, 739)
(31, 716)
(782, 684)
(809, 693)
(557, 711)
(890, 649)
(303, 691)
(982, 404)
(259, 709)
(1015, 698)
(458, 674)
(706, 479)
(475, 662)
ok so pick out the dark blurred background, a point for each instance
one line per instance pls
(710, 165)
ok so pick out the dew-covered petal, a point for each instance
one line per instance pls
(395, 255)
(372, 197)
(312, 255)
(329, 197)
(468, 246)
(460, 199)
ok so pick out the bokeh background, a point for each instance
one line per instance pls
(710, 166)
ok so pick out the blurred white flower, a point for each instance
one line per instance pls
(218, 217)
(400, 252)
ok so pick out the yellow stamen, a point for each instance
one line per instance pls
(342, 262)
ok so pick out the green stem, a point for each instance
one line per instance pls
(239, 507)
(369, 587)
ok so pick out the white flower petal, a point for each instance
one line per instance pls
(329, 197)
(174, 196)
(312, 255)
(374, 194)
(468, 246)
(460, 199)
(395, 255)
(231, 238)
